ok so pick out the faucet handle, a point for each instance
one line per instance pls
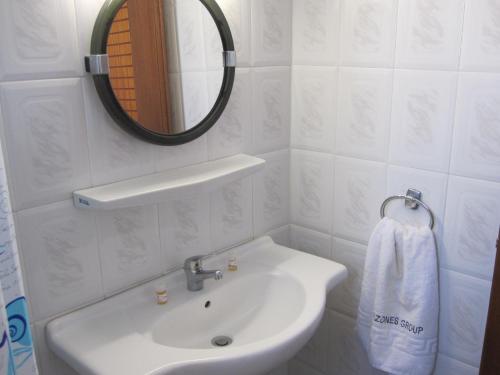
(194, 263)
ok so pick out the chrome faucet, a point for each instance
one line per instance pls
(195, 274)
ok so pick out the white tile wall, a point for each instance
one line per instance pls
(481, 46)
(423, 109)
(271, 193)
(271, 108)
(59, 138)
(471, 226)
(368, 32)
(238, 16)
(345, 353)
(310, 241)
(314, 107)
(311, 189)
(345, 298)
(476, 145)
(184, 228)
(364, 113)
(231, 220)
(59, 249)
(33, 45)
(271, 32)
(297, 367)
(316, 29)
(114, 154)
(45, 137)
(429, 34)
(418, 106)
(360, 187)
(315, 352)
(129, 244)
(281, 236)
(449, 366)
(180, 156)
(233, 133)
(433, 187)
(464, 304)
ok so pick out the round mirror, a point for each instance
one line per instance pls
(164, 69)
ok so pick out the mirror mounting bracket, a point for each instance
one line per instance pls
(229, 59)
(97, 64)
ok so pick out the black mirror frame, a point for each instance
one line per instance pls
(107, 96)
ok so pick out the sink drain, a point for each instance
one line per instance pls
(222, 341)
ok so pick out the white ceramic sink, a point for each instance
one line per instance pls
(270, 308)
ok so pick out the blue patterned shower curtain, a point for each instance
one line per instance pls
(16, 344)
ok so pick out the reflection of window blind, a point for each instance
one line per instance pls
(121, 71)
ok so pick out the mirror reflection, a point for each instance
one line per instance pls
(165, 63)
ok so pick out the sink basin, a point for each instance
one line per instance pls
(246, 324)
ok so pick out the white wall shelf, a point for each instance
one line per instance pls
(167, 185)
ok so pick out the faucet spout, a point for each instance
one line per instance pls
(195, 274)
(212, 274)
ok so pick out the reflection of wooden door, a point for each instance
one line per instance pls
(490, 364)
(150, 63)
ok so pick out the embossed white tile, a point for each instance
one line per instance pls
(271, 32)
(296, 367)
(169, 157)
(281, 370)
(471, 226)
(368, 32)
(360, 188)
(281, 236)
(346, 355)
(315, 352)
(38, 40)
(271, 108)
(316, 29)
(271, 196)
(464, 309)
(311, 241)
(481, 39)
(433, 187)
(429, 34)
(448, 366)
(115, 155)
(237, 13)
(311, 189)
(231, 214)
(364, 114)
(129, 244)
(314, 94)
(476, 143)
(422, 119)
(86, 15)
(345, 297)
(59, 247)
(45, 136)
(232, 134)
(185, 229)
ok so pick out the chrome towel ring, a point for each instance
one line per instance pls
(412, 200)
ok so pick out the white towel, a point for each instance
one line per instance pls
(399, 306)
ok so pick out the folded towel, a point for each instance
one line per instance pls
(399, 306)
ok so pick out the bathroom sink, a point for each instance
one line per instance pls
(249, 322)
